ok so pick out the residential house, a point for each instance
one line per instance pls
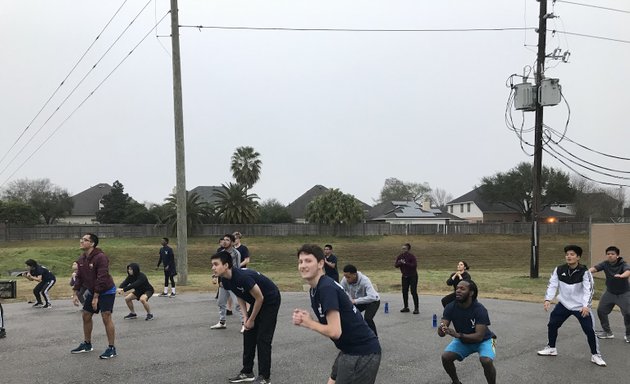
(474, 209)
(409, 212)
(207, 193)
(297, 208)
(86, 204)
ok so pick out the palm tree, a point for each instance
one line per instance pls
(197, 211)
(245, 166)
(235, 205)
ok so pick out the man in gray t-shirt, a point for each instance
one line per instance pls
(617, 292)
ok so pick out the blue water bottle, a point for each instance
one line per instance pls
(434, 320)
(386, 307)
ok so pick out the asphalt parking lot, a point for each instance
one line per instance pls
(179, 347)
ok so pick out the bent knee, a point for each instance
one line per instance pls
(485, 360)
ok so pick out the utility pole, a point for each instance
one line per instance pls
(180, 157)
(538, 128)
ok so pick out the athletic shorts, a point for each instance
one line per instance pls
(105, 303)
(485, 349)
(139, 294)
(355, 369)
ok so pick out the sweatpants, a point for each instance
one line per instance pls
(560, 314)
(260, 338)
(42, 288)
(370, 311)
(223, 299)
(606, 304)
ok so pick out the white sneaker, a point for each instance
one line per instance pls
(548, 351)
(242, 328)
(219, 325)
(605, 335)
(597, 359)
(626, 339)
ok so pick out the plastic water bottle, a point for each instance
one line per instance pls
(434, 320)
(386, 307)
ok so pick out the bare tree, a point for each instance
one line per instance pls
(439, 197)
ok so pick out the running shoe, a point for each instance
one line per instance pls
(219, 325)
(83, 347)
(109, 353)
(3, 333)
(149, 317)
(597, 359)
(605, 335)
(130, 316)
(549, 351)
(47, 305)
(261, 380)
(242, 378)
(38, 305)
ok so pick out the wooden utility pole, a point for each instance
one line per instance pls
(538, 128)
(180, 157)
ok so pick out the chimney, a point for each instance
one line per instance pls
(426, 204)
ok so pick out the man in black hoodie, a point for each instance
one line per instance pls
(617, 291)
(142, 291)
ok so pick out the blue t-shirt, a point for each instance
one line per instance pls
(244, 251)
(331, 272)
(243, 280)
(465, 319)
(356, 337)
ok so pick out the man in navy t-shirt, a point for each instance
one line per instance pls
(259, 321)
(337, 318)
(471, 333)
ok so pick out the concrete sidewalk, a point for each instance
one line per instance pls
(179, 347)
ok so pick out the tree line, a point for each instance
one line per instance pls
(29, 202)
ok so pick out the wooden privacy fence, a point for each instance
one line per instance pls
(50, 232)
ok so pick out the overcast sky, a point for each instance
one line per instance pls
(342, 109)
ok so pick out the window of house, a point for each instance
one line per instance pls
(461, 208)
(468, 207)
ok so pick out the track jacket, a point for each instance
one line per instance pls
(574, 287)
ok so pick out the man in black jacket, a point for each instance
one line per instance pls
(142, 291)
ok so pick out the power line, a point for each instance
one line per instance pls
(354, 29)
(85, 99)
(75, 88)
(62, 82)
(592, 36)
(592, 6)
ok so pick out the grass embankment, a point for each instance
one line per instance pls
(499, 263)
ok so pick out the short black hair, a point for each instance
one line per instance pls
(165, 239)
(612, 248)
(225, 258)
(328, 246)
(350, 269)
(408, 246)
(93, 238)
(31, 263)
(311, 249)
(575, 248)
(230, 236)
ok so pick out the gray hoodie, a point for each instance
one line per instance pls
(362, 292)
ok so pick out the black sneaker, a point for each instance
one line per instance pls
(47, 305)
(172, 294)
(404, 310)
(38, 305)
(416, 311)
(3, 333)
(163, 295)
(109, 353)
(149, 317)
(83, 347)
(261, 380)
(130, 316)
(242, 378)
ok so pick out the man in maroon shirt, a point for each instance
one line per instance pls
(93, 274)
(408, 268)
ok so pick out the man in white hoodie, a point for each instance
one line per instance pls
(575, 285)
(362, 294)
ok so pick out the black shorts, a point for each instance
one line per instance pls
(105, 303)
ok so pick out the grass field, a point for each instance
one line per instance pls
(499, 263)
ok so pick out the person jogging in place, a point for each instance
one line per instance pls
(167, 258)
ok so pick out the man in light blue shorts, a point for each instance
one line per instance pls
(471, 333)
